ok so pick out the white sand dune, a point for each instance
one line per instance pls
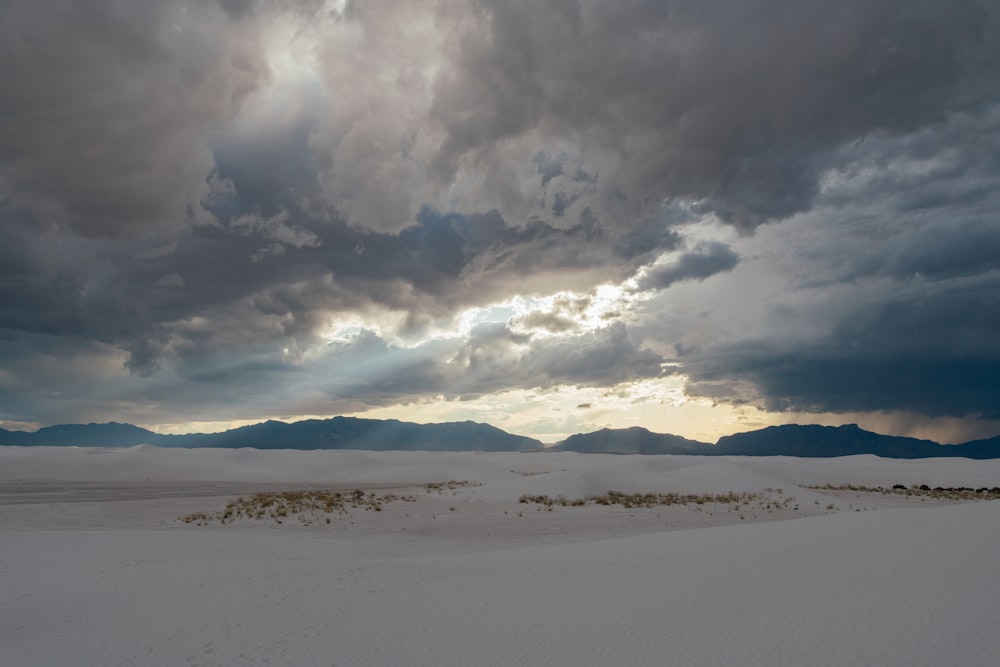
(96, 570)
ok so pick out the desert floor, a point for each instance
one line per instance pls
(122, 557)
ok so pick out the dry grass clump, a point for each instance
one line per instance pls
(762, 500)
(549, 501)
(450, 485)
(962, 493)
(306, 506)
(197, 518)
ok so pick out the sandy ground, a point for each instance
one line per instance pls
(99, 569)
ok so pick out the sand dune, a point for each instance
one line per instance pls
(98, 570)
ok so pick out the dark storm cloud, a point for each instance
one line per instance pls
(193, 190)
(703, 262)
(105, 108)
(884, 306)
(735, 103)
(918, 334)
(893, 281)
(117, 115)
(935, 356)
(887, 293)
(229, 276)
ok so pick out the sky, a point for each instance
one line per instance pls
(554, 217)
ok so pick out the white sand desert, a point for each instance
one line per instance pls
(98, 568)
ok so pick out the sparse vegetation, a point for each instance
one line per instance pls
(197, 518)
(450, 485)
(307, 506)
(962, 493)
(762, 500)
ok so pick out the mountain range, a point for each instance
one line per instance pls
(335, 433)
(787, 440)
(391, 434)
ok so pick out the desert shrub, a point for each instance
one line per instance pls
(961, 493)
(308, 506)
(650, 500)
(450, 485)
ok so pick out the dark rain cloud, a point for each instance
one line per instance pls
(698, 264)
(227, 276)
(935, 355)
(106, 107)
(895, 314)
(736, 104)
(179, 196)
(116, 116)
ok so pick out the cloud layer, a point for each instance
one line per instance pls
(308, 207)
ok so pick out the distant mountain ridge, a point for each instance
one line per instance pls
(334, 433)
(634, 440)
(847, 440)
(374, 434)
(789, 440)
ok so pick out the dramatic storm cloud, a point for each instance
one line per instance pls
(695, 217)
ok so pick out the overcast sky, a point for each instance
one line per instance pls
(698, 217)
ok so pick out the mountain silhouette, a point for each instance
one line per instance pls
(390, 434)
(634, 440)
(335, 433)
(821, 441)
(847, 440)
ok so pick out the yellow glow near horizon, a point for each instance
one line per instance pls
(200, 426)
(554, 414)
(551, 415)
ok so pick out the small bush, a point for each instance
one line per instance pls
(650, 500)
(450, 485)
(308, 506)
(962, 493)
